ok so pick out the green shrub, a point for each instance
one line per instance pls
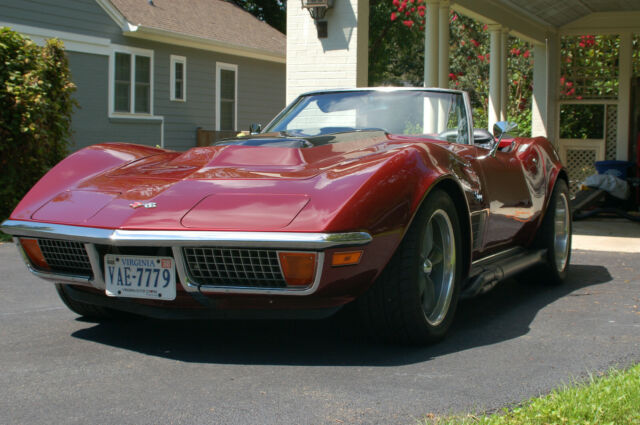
(35, 113)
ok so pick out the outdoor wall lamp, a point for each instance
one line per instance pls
(318, 9)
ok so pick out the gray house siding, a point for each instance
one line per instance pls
(91, 122)
(84, 17)
(261, 91)
(261, 84)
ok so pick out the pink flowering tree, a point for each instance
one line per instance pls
(588, 71)
(396, 56)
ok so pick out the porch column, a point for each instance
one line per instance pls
(504, 82)
(431, 44)
(494, 75)
(546, 74)
(443, 45)
(625, 73)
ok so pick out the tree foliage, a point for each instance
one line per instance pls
(396, 57)
(35, 113)
(589, 70)
(273, 12)
(396, 53)
(589, 66)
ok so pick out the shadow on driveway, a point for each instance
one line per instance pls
(502, 314)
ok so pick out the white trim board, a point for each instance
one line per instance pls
(115, 14)
(100, 46)
(184, 40)
(73, 42)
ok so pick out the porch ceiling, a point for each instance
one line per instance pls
(535, 19)
(560, 13)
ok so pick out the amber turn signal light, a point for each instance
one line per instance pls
(346, 258)
(32, 249)
(298, 268)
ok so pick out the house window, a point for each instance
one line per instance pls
(226, 96)
(178, 78)
(132, 92)
(123, 83)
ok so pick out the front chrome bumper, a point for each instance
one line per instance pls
(176, 240)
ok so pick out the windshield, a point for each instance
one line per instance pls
(410, 112)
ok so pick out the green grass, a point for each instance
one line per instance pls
(4, 237)
(612, 399)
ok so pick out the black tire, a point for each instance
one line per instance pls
(404, 305)
(553, 238)
(85, 310)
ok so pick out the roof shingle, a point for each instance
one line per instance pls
(216, 20)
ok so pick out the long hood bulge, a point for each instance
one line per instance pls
(235, 211)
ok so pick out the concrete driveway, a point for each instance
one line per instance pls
(518, 341)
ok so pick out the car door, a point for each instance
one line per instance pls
(508, 196)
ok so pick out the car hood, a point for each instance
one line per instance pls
(257, 183)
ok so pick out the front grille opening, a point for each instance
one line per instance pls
(253, 268)
(66, 256)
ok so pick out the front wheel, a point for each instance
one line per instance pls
(415, 298)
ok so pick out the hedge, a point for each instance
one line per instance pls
(36, 105)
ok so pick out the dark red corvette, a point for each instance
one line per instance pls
(386, 198)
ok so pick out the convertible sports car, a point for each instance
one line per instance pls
(387, 198)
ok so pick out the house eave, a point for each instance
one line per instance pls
(186, 40)
(114, 14)
(179, 39)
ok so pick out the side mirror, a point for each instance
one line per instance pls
(502, 127)
(499, 130)
(255, 128)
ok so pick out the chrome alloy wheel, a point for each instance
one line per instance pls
(437, 267)
(561, 227)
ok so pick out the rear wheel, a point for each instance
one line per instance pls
(88, 311)
(555, 234)
(415, 298)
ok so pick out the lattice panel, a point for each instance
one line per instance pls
(580, 164)
(611, 128)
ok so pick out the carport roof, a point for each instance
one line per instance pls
(533, 19)
(560, 13)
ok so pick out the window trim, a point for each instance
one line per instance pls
(174, 59)
(133, 51)
(229, 67)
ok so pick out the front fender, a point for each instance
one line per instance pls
(75, 168)
(386, 204)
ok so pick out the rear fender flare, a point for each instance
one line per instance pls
(558, 174)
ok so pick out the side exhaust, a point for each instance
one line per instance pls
(486, 275)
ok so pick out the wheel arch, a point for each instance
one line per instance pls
(451, 186)
(561, 174)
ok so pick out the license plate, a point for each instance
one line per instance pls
(134, 276)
